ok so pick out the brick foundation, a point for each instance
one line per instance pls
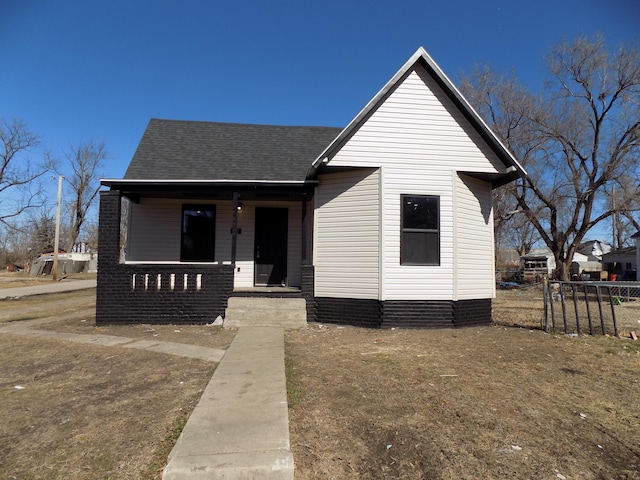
(307, 287)
(403, 313)
(348, 311)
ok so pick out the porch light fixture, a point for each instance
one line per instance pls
(239, 206)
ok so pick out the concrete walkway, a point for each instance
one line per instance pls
(52, 287)
(27, 328)
(240, 428)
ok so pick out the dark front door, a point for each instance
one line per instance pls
(270, 251)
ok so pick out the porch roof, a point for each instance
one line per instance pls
(184, 151)
(211, 189)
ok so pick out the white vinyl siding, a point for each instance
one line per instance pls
(418, 126)
(418, 138)
(155, 225)
(154, 231)
(474, 236)
(347, 230)
(416, 282)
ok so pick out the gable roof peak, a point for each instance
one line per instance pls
(513, 169)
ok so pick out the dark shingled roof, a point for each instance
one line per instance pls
(185, 150)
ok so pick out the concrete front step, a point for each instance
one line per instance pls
(266, 312)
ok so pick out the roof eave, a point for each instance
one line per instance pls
(117, 182)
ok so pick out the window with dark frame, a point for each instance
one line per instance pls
(198, 242)
(420, 230)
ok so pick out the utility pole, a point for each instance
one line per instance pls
(54, 269)
(614, 220)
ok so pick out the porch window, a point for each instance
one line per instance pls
(198, 233)
(420, 230)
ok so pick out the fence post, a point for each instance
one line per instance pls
(586, 302)
(564, 308)
(599, 295)
(613, 313)
(575, 306)
(545, 292)
(553, 311)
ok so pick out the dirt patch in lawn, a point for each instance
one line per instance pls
(490, 402)
(77, 411)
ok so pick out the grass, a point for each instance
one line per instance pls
(160, 455)
(294, 392)
(492, 402)
(87, 411)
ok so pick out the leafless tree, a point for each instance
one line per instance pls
(19, 174)
(576, 138)
(85, 161)
(624, 201)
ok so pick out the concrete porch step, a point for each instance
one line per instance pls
(266, 312)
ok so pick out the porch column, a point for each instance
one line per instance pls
(110, 282)
(304, 259)
(234, 229)
(109, 229)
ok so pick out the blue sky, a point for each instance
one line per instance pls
(75, 69)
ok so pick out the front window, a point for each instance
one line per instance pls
(420, 230)
(198, 233)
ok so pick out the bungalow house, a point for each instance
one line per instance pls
(387, 222)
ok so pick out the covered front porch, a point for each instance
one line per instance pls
(180, 251)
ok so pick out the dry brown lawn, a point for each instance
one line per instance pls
(72, 411)
(493, 402)
(490, 402)
(23, 279)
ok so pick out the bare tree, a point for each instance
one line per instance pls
(576, 138)
(18, 173)
(86, 161)
(16, 243)
(624, 201)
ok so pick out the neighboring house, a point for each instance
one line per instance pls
(387, 222)
(622, 263)
(587, 261)
(594, 248)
